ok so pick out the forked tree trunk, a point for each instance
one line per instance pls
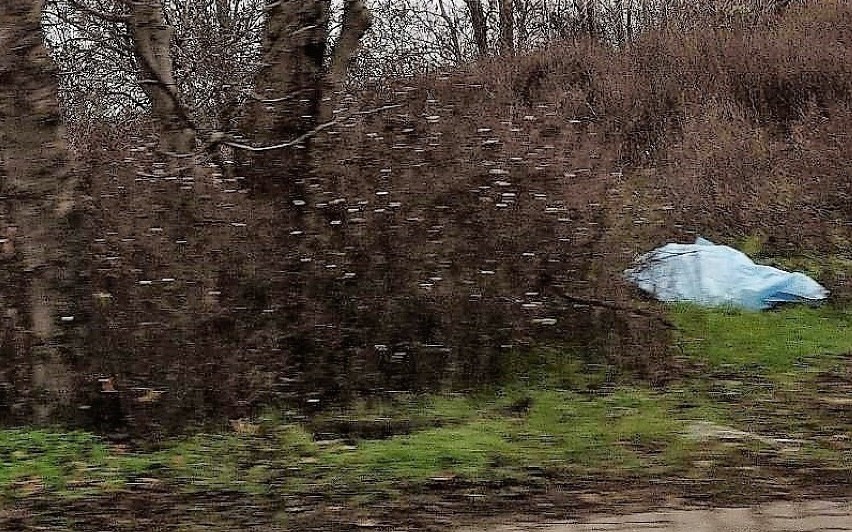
(356, 21)
(39, 195)
(288, 90)
(355, 24)
(293, 83)
(290, 82)
(152, 40)
(591, 18)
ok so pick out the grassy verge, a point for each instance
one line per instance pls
(767, 379)
(768, 343)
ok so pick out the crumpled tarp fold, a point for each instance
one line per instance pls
(713, 275)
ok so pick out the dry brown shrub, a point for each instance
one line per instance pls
(431, 240)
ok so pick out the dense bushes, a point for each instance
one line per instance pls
(432, 239)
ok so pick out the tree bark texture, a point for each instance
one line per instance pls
(288, 91)
(38, 195)
(507, 27)
(290, 82)
(152, 40)
(293, 88)
(479, 25)
(356, 21)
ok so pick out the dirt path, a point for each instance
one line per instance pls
(808, 516)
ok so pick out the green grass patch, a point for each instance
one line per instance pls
(417, 410)
(232, 461)
(775, 342)
(42, 459)
(558, 430)
(467, 450)
(824, 267)
(552, 417)
(78, 463)
(489, 439)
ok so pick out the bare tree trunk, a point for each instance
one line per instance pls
(289, 84)
(39, 199)
(455, 42)
(356, 21)
(618, 21)
(479, 25)
(523, 10)
(507, 27)
(152, 39)
(292, 84)
(289, 89)
(628, 23)
(591, 18)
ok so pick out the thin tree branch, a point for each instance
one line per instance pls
(298, 140)
(218, 138)
(103, 15)
(618, 308)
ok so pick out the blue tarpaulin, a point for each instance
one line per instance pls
(712, 275)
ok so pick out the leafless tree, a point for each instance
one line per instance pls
(214, 52)
(479, 25)
(90, 40)
(217, 45)
(39, 194)
(356, 20)
(507, 27)
(152, 39)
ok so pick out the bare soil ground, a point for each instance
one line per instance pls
(803, 516)
(580, 505)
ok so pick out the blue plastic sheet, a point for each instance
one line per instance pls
(712, 275)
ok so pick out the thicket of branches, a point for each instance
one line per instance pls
(375, 234)
(216, 45)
